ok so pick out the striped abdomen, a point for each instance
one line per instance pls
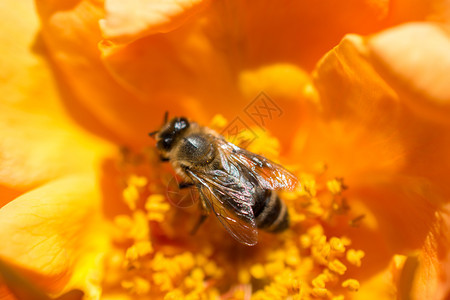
(270, 212)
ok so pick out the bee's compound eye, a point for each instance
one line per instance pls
(165, 143)
(181, 123)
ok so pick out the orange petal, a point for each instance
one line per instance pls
(187, 69)
(130, 20)
(37, 148)
(432, 280)
(392, 159)
(415, 59)
(52, 229)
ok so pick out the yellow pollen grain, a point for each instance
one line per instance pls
(339, 297)
(257, 271)
(354, 257)
(351, 284)
(337, 245)
(337, 266)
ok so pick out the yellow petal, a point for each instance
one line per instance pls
(126, 21)
(51, 229)
(415, 59)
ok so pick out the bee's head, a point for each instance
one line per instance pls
(170, 133)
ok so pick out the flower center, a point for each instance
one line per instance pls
(154, 255)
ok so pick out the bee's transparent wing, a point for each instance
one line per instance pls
(231, 201)
(268, 174)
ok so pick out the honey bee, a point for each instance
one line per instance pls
(237, 185)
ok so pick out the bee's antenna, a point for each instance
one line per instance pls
(153, 133)
(166, 116)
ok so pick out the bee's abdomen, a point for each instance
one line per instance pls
(270, 212)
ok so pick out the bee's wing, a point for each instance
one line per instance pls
(231, 201)
(269, 175)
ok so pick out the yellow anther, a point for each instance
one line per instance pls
(138, 181)
(315, 231)
(354, 257)
(336, 186)
(352, 284)
(137, 285)
(320, 292)
(274, 268)
(162, 280)
(156, 206)
(174, 295)
(337, 266)
(140, 230)
(305, 241)
(123, 222)
(185, 260)
(131, 196)
(339, 297)
(292, 260)
(198, 274)
(257, 271)
(211, 269)
(319, 281)
(138, 250)
(244, 276)
(337, 245)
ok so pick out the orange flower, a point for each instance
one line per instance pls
(364, 125)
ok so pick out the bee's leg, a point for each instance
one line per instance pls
(183, 185)
(205, 212)
(198, 224)
(163, 159)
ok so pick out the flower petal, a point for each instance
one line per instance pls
(392, 159)
(37, 148)
(130, 20)
(416, 60)
(432, 280)
(52, 228)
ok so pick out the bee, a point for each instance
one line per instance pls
(238, 186)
